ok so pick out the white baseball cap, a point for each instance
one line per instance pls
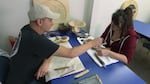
(41, 11)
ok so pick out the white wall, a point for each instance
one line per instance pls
(77, 9)
(81, 9)
(13, 15)
(144, 11)
(101, 15)
(103, 9)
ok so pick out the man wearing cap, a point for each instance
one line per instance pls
(31, 53)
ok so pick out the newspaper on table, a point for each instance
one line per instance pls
(73, 65)
(106, 59)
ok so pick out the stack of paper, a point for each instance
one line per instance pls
(106, 59)
(62, 66)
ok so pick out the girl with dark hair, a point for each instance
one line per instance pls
(119, 38)
(129, 11)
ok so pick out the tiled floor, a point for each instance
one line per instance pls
(141, 63)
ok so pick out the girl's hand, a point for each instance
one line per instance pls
(103, 52)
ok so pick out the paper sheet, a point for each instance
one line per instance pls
(74, 64)
(106, 59)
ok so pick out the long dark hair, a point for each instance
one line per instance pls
(129, 12)
(119, 18)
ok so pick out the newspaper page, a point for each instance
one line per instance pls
(62, 66)
(106, 59)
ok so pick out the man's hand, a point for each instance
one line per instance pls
(43, 69)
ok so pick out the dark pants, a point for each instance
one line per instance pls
(35, 82)
(40, 81)
(4, 66)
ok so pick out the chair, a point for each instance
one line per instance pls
(147, 45)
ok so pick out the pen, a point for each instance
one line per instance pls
(60, 68)
(81, 73)
(99, 59)
(98, 78)
(67, 73)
